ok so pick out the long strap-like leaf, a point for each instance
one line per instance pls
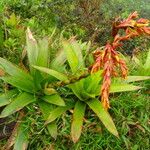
(77, 122)
(25, 85)
(58, 112)
(18, 103)
(54, 99)
(6, 98)
(13, 70)
(71, 56)
(46, 109)
(137, 78)
(103, 115)
(21, 139)
(56, 74)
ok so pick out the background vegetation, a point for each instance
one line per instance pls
(88, 20)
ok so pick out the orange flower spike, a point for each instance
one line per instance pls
(108, 69)
(124, 69)
(142, 22)
(146, 30)
(129, 22)
(109, 60)
(134, 15)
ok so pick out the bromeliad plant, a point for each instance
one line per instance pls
(42, 83)
(85, 90)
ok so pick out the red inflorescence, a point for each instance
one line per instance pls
(109, 59)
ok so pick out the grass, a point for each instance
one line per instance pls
(130, 112)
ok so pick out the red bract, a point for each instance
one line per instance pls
(109, 59)
(140, 26)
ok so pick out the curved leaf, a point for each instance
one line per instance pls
(21, 139)
(137, 78)
(20, 83)
(43, 53)
(54, 99)
(46, 108)
(78, 50)
(77, 89)
(54, 114)
(32, 49)
(6, 98)
(77, 122)
(56, 74)
(123, 88)
(103, 115)
(71, 56)
(13, 70)
(18, 103)
(58, 62)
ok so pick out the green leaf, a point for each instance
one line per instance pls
(123, 88)
(120, 87)
(21, 140)
(92, 82)
(14, 71)
(137, 78)
(58, 62)
(46, 109)
(22, 84)
(38, 54)
(77, 49)
(54, 99)
(12, 21)
(77, 89)
(71, 56)
(52, 129)
(32, 49)
(43, 53)
(103, 115)
(58, 112)
(77, 122)
(18, 77)
(80, 91)
(18, 103)
(56, 74)
(6, 98)
(147, 63)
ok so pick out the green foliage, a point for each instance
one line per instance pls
(5, 98)
(97, 107)
(58, 86)
(77, 123)
(12, 35)
(143, 67)
(42, 86)
(17, 104)
(21, 141)
(26, 83)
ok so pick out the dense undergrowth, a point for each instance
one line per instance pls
(88, 21)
